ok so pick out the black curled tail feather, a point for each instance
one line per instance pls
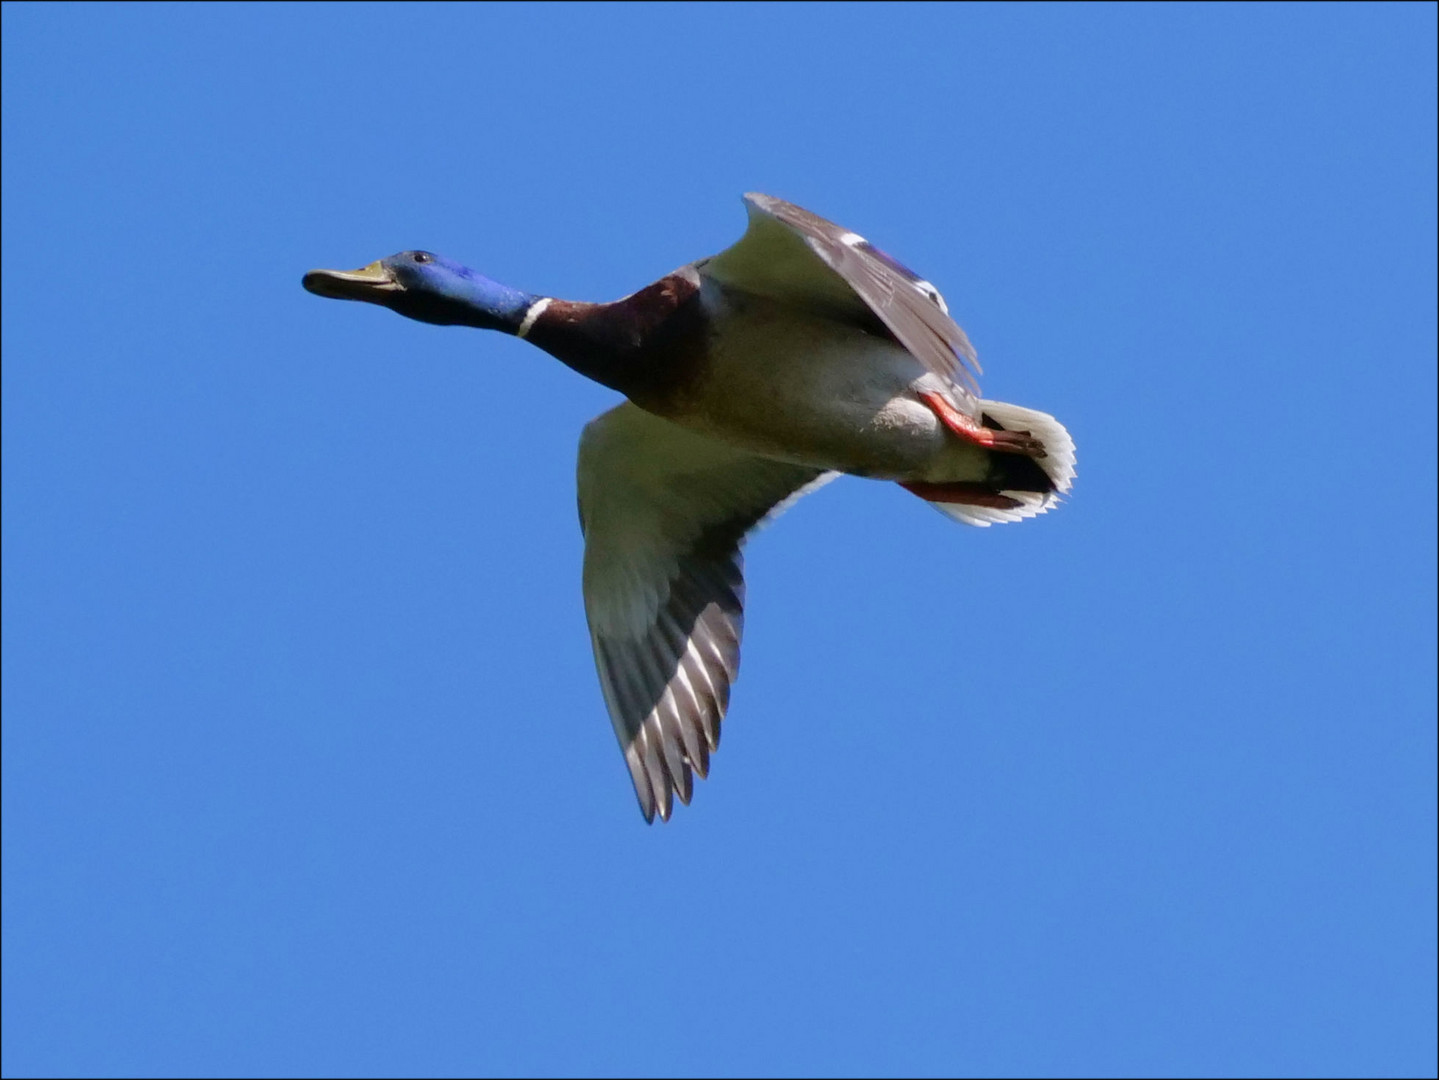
(1013, 464)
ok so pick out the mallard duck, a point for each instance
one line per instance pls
(752, 377)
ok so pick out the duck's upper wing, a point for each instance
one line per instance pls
(790, 253)
(664, 513)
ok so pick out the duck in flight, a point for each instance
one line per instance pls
(752, 377)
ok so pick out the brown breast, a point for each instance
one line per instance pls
(650, 346)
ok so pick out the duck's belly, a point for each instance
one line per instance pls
(817, 393)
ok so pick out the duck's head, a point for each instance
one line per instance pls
(428, 287)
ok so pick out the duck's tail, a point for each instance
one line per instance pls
(1028, 471)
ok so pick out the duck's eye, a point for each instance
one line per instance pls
(423, 257)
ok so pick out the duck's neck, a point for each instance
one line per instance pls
(636, 345)
(476, 301)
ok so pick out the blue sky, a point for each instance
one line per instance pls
(306, 769)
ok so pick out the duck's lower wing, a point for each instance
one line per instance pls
(664, 513)
(790, 253)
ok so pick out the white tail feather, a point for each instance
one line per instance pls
(1058, 465)
(1059, 447)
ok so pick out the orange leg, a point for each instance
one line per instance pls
(966, 427)
(971, 430)
(960, 491)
